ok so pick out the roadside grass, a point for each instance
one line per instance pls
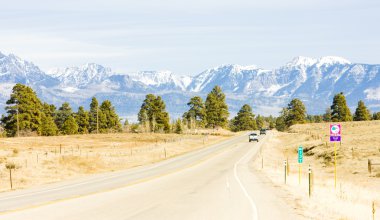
(41, 160)
(356, 187)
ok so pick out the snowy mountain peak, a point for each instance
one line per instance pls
(96, 68)
(154, 77)
(331, 60)
(162, 79)
(308, 61)
(14, 69)
(81, 76)
(233, 68)
(12, 64)
(302, 61)
(90, 69)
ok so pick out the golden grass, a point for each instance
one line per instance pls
(41, 160)
(356, 187)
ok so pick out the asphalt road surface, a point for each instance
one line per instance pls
(213, 183)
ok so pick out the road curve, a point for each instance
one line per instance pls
(212, 183)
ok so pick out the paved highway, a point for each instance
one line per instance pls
(213, 183)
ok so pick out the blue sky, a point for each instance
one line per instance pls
(188, 37)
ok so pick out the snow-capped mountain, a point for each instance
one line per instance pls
(162, 80)
(13, 69)
(82, 76)
(315, 81)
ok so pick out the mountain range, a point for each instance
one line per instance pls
(314, 81)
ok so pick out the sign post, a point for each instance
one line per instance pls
(285, 164)
(310, 180)
(300, 160)
(335, 136)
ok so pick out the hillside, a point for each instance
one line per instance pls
(356, 187)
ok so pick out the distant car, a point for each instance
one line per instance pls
(253, 137)
(263, 131)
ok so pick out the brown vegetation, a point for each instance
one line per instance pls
(42, 160)
(356, 187)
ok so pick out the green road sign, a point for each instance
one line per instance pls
(300, 154)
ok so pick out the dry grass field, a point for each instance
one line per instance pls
(40, 160)
(356, 188)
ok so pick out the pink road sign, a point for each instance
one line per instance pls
(335, 132)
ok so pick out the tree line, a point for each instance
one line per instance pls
(26, 115)
(295, 113)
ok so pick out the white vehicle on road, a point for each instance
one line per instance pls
(253, 137)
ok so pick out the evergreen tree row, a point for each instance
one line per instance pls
(295, 113)
(213, 113)
(27, 115)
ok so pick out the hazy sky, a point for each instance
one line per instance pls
(188, 37)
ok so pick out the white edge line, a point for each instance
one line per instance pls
(253, 205)
(121, 174)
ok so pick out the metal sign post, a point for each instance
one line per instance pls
(335, 136)
(300, 160)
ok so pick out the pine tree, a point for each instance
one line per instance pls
(280, 121)
(318, 118)
(272, 124)
(296, 113)
(161, 116)
(63, 113)
(245, 119)
(144, 120)
(196, 113)
(178, 126)
(70, 126)
(49, 109)
(327, 115)
(24, 105)
(109, 120)
(376, 116)
(153, 110)
(48, 126)
(340, 110)
(259, 122)
(94, 115)
(187, 121)
(310, 118)
(146, 113)
(83, 120)
(362, 113)
(102, 122)
(280, 124)
(216, 108)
